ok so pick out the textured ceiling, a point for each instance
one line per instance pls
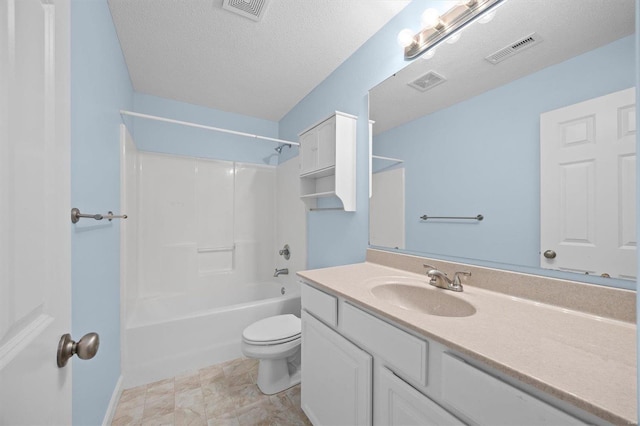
(195, 51)
(567, 28)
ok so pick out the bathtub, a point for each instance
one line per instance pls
(170, 335)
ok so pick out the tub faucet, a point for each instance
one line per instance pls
(283, 271)
(441, 280)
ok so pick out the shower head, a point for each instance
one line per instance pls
(278, 149)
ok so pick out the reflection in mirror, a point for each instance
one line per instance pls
(470, 143)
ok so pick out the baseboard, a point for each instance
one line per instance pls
(113, 404)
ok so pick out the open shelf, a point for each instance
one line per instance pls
(319, 195)
(329, 171)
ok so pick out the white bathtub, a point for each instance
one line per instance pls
(169, 335)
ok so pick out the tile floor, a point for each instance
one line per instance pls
(223, 394)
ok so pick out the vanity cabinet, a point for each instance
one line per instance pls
(328, 161)
(337, 377)
(398, 404)
(416, 381)
(488, 400)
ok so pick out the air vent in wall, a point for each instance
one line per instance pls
(252, 9)
(513, 48)
(427, 81)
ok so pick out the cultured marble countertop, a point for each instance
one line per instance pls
(583, 359)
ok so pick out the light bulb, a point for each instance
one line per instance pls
(487, 17)
(468, 3)
(430, 19)
(405, 38)
(454, 38)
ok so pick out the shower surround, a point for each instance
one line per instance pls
(198, 253)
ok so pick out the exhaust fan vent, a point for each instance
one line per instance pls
(252, 9)
(427, 81)
(513, 48)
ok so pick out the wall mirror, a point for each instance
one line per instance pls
(459, 135)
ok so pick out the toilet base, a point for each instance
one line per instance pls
(276, 375)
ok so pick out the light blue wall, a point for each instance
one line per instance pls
(100, 86)
(337, 238)
(177, 139)
(481, 156)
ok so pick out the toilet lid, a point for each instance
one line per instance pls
(279, 327)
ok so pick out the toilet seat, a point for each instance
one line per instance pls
(273, 330)
(272, 342)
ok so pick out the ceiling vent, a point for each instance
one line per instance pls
(513, 48)
(252, 9)
(427, 81)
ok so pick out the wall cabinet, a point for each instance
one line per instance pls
(328, 161)
(318, 147)
(416, 381)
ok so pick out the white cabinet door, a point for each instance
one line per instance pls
(336, 377)
(398, 404)
(588, 186)
(326, 144)
(318, 147)
(308, 152)
(35, 220)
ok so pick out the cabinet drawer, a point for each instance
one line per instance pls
(488, 400)
(398, 404)
(404, 354)
(322, 305)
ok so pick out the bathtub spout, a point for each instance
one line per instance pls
(283, 271)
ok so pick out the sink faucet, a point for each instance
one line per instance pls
(441, 280)
(283, 271)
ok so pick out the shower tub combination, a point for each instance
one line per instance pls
(170, 335)
(198, 253)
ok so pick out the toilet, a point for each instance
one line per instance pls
(275, 341)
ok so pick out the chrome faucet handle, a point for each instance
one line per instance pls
(428, 267)
(285, 252)
(456, 285)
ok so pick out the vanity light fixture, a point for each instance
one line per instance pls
(431, 19)
(436, 27)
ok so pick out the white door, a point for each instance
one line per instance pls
(588, 186)
(386, 209)
(34, 211)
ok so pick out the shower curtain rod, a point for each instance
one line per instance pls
(202, 126)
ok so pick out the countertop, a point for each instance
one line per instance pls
(585, 360)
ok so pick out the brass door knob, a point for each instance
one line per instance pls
(85, 348)
(550, 254)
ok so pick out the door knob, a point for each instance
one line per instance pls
(550, 254)
(85, 348)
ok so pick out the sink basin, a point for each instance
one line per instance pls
(422, 299)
